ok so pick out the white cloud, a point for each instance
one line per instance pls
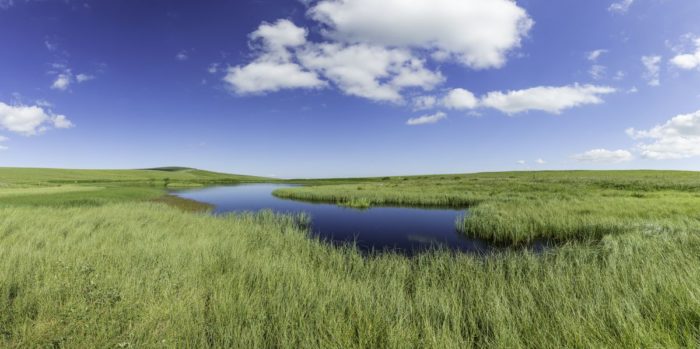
(29, 120)
(269, 76)
(595, 54)
(651, 64)
(477, 33)
(372, 72)
(426, 119)
(424, 102)
(521, 162)
(213, 68)
(604, 156)
(540, 161)
(273, 69)
(62, 81)
(545, 98)
(280, 35)
(460, 99)
(620, 6)
(688, 61)
(370, 54)
(678, 138)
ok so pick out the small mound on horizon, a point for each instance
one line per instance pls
(169, 169)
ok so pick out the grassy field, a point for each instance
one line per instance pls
(126, 272)
(17, 177)
(76, 188)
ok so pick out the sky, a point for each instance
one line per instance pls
(342, 88)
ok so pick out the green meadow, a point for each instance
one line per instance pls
(105, 259)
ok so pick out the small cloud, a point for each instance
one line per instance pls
(29, 120)
(595, 54)
(43, 103)
(66, 78)
(604, 156)
(460, 99)
(51, 46)
(620, 6)
(688, 61)
(62, 81)
(678, 138)
(60, 121)
(521, 162)
(262, 76)
(597, 71)
(540, 161)
(651, 64)
(213, 68)
(550, 99)
(426, 119)
(84, 77)
(59, 66)
(182, 56)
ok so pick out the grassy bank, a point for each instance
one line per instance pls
(520, 207)
(112, 268)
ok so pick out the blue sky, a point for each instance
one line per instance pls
(321, 88)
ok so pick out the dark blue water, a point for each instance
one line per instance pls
(404, 230)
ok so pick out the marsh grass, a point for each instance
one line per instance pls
(359, 203)
(522, 207)
(146, 275)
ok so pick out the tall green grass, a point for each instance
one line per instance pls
(108, 262)
(135, 275)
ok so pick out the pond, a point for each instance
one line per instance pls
(401, 229)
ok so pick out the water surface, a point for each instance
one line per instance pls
(402, 229)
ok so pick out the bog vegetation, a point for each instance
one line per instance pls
(102, 260)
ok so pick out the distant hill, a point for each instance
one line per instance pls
(169, 169)
(15, 176)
